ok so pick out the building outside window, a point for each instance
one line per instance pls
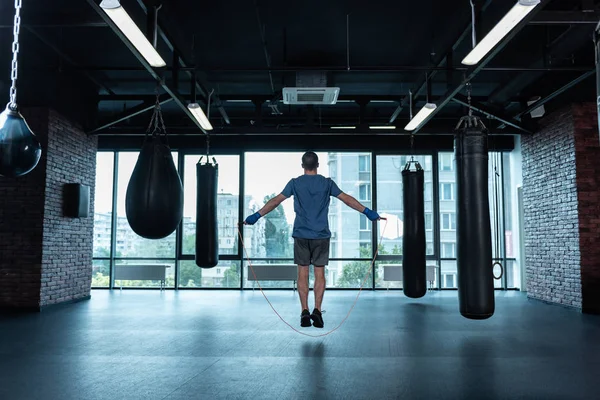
(446, 161)
(364, 192)
(446, 191)
(449, 221)
(448, 250)
(364, 163)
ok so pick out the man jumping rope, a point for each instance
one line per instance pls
(311, 233)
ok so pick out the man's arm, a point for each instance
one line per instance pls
(267, 208)
(356, 205)
(351, 202)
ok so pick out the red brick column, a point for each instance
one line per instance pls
(587, 157)
(45, 258)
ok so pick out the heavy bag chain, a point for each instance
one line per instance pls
(157, 127)
(15, 52)
(470, 120)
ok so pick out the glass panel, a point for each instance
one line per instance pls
(129, 244)
(271, 236)
(513, 274)
(100, 273)
(169, 266)
(225, 275)
(390, 204)
(380, 276)
(227, 204)
(448, 212)
(349, 274)
(449, 274)
(103, 195)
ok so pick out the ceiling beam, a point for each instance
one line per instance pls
(201, 84)
(557, 53)
(473, 71)
(438, 63)
(491, 113)
(566, 18)
(551, 96)
(172, 91)
(69, 60)
(132, 112)
(439, 128)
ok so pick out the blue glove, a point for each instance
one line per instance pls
(372, 215)
(251, 220)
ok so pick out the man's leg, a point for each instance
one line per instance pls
(303, 285)
(319, 286)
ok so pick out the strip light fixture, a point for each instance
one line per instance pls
(498, 32)
(343, 127)
(421, 116)
(197, 112)
(382, 127)
(119, 16)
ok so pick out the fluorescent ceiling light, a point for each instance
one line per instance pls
(197, 112)
(421, 116)
(119, 16)
(382, 127)
(343, 127)
(502, 28)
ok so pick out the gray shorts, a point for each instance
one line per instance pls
(311, 251)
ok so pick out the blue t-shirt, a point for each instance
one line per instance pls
(311, 204)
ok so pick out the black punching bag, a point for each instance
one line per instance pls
(154, 199)
(414, 278)
(474, 237)
(207, 236)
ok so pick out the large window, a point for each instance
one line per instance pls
(103, 208)
(128, 243)
(390, 205)
(353, 236)
(227, 204)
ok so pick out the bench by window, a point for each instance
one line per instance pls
(393, 273)
(273, 272)
(141, 272)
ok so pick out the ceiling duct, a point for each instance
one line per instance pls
(311, 88)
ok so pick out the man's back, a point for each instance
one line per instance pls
(311, 204)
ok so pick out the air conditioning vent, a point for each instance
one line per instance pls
(314, 95)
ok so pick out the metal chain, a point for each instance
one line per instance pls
(469, 99)
(15, 50)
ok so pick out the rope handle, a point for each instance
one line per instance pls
(353, 304)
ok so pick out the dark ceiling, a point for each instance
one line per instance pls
(247, 51)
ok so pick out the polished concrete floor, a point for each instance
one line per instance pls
(230, 345)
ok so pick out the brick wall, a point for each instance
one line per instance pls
(551, 219)
(67, 244)
(45, 258)
(21, 223)
(587, 155)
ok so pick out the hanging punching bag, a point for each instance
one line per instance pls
(207, 236)
(20, 151)
(154, 199)
(414, 278)
(474, 258)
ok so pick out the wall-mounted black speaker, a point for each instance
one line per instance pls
(76, 202)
